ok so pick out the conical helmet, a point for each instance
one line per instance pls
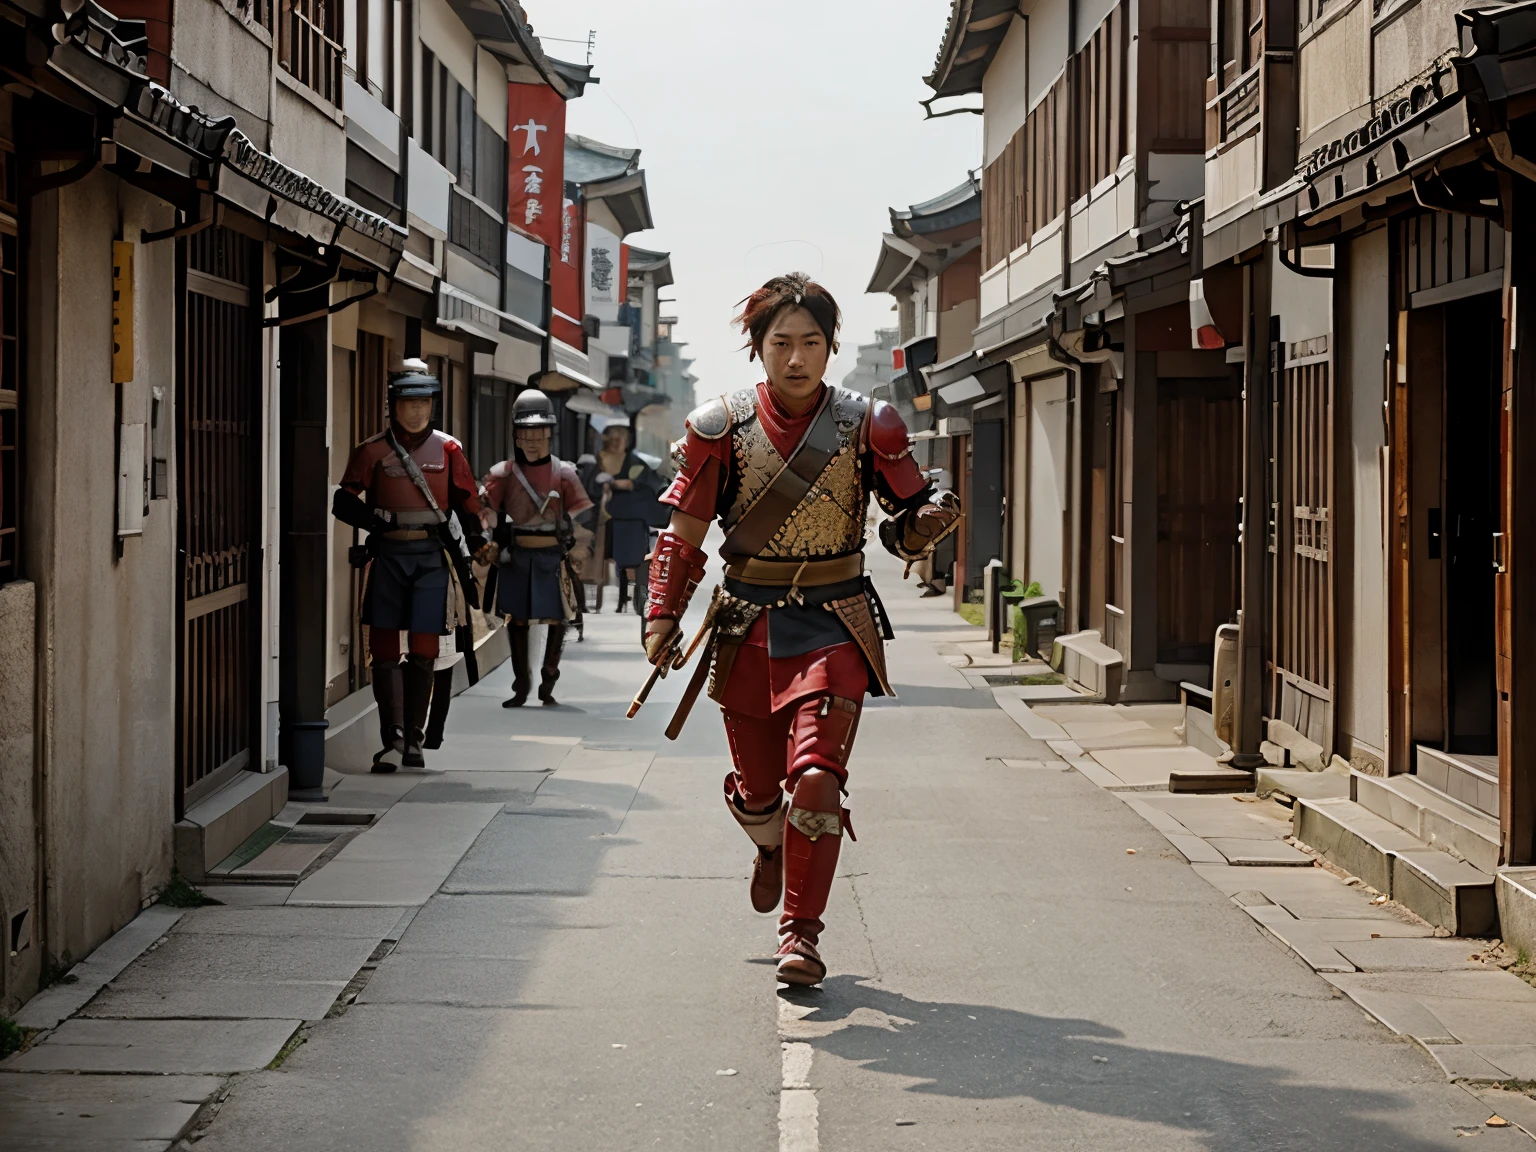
(532, 409)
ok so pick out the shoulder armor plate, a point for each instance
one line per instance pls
(711, 419)
(888, 432)
(848, 409)
(742, 405)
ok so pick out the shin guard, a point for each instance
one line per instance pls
(766, 830)
(813, 837)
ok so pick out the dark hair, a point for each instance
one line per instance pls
(768, 303)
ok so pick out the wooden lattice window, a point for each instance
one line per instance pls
(309, 45)
(10, 372)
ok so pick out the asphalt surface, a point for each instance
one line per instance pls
(1003, 975)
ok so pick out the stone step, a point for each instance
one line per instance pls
(1471, 780)
(1515, 890)
(1304, 753)
(1299, 784)
(1431, 816)
(1444, 891)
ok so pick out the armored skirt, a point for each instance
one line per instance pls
(528, 586)
(407, 589)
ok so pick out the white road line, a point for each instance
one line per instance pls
(798, 1122)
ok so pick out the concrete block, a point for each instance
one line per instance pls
(1299, 784)
(1355, 839)
(1515, 893)
(158, 1046)
(1445, 891)
(1274, 755)
(1213, 779)
(1085, 658)
(1304, 753)
(213, 829)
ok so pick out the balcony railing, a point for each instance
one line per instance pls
(475, 230)
(1230, 111)
(307, 34)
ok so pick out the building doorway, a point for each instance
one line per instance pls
(1473, 377)
(1199, 482)
(218, 468)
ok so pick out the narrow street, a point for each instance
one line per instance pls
(1003, 973)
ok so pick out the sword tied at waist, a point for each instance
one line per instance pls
(676, 656)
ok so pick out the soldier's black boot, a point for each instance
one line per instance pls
(550, 672)
(388, 694)
(517, 638)
(442, 693)
(418, 699)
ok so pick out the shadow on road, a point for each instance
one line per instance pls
(976, 1052)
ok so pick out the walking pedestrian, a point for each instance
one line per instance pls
(404, 488)
(535, 496)
(797, 631)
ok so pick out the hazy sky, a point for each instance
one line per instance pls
(774, 139)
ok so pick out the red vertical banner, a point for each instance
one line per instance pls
(623, 293)
(536, 160)
(565, 278)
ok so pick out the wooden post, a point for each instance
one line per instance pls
(1248, 724)
(1515, 550)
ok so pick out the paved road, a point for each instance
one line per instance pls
(1003, 974)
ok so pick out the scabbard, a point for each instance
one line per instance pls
(691, 693)
(464, 641)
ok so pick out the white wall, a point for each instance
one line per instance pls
(450, 42)
(1048, 451)
(1005, 91)
(491, 92)
(1047, 46)
(1363, 642)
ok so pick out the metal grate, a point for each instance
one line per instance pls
(308, 38)
(476, 231)
(218, 470)
(1302, 690)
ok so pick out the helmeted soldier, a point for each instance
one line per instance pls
(531, 500)
(796, 630)
(400, 487)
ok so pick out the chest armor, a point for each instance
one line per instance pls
(829, 521)
(394, 490)
(522, 509)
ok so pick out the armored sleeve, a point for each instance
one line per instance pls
(360, 466)
(494, 484)
(571, 490)
(701, 474)
(899, 483)
(464, 492)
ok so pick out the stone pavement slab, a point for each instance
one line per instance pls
(498, 751)
(158, 1046)
(1225, 816)
(401, 860)
(1259, 852)
(98, 1113)
(453, 786)
(340, 923)
(1149, 766)
(1319, 955)
(1194, 849)
(1390, 954)
(541, 851)
(122, 948)
(1035, 726)
(1308, 893)
(230, 975)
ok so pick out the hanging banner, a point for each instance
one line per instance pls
(604, 290)
(535, 160)
(565, 275)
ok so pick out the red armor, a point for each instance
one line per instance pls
(790, 717)
(375, 469)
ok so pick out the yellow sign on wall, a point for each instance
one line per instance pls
(122, 311)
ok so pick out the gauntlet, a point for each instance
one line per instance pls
(914, 533)
(676, 569)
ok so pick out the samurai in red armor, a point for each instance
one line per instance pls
(411, 490)
(796, 632)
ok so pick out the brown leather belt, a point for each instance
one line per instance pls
(407, 534)
(797, 574)
(535, 541)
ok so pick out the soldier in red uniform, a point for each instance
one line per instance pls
(535, 495)
(412, 585)
(797, 633)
